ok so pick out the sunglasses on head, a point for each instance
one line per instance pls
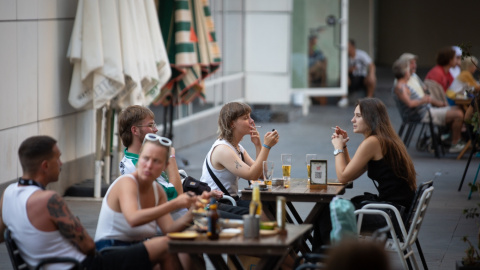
(154, 137)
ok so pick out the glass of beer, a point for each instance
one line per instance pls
(309, 157)
(286, 169)
(268, 173)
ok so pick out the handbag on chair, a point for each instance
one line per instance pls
(194, 185)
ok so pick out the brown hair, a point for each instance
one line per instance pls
(229, 113)
(375, 115)
(444, 56)
(33, 151)
(129, 117)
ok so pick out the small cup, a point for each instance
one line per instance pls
(251, 226)
(268, 172)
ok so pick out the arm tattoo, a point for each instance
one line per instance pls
(71, 228)
(56, 206)
(237, 164)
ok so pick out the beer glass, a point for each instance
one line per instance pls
(286, 169)
(268, 172)
(309, 157)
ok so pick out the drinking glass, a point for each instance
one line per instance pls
(286, 169)
(268, 172)
(309, 157)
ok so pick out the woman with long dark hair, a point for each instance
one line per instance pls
(382, 155)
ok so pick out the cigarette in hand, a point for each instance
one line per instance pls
(334, 128)
(258, 126)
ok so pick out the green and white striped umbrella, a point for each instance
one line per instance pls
(189, 36)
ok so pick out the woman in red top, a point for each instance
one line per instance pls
(441, 72)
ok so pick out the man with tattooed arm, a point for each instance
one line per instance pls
(43, 226)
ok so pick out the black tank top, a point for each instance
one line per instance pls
(390, 187)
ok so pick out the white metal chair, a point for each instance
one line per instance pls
(402, 245)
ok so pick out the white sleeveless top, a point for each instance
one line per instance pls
(34, 245)
(228, 179)
(113, 225)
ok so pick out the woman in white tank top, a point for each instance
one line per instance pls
(134, 205)
(228, 160)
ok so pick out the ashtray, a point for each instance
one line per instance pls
(277, 182)
(261, 184)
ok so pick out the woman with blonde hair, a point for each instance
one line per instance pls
(465, 80)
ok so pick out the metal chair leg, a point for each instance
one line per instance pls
(420, 252)
(474, 149)
(434, 139)
(400, 131)
(411, 134)
(474, 181)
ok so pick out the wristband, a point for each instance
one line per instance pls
(172, 156)
(266, 146)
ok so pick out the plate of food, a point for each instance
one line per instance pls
(187, 235)
(268, 225)
(268, 232)
(231, 223)
(230, 232)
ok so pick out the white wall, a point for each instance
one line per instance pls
(267, 51)
(35, 80)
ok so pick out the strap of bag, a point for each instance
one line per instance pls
(215, 179)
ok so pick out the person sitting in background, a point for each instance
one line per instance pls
(441, 72)
(465, 80)
(415, 83)
(135, 205)
(416, 109)
(43, 226)
(227, 160)
(361, 73)
(455, 70)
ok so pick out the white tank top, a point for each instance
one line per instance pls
(228, 179)
(113, 225)
(34, 245)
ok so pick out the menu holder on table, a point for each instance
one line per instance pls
(318, 174)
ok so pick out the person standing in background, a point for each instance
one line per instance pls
(317, 68)
(361, 73)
